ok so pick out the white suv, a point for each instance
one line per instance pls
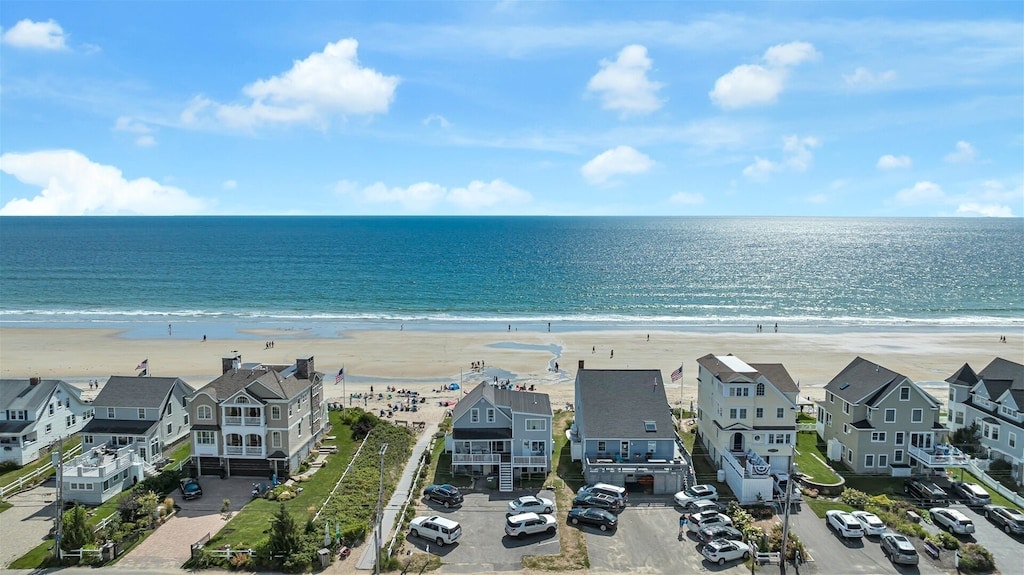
(439, 529)
(529, 523)
(845, 524)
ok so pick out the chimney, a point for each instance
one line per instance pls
(34, 381)
(581, 364)
(304, 367)
(229, 363)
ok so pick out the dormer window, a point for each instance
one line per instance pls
(650, 426)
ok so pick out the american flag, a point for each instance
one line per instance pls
(340, 377)
(144, 364)
(677, 374)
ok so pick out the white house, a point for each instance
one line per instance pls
(34, 413)
(101, 473)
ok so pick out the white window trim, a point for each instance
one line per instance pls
(897, 456)
(275, 412)
(1011, 439)
(490, 415)
(902, 389)
(474, 415)
(869, 460)
(541, 426)
(917, 415)
(890, 410)
(200, 409)
(883, 460)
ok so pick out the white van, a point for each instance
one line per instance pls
(441, 530)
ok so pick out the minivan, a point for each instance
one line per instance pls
(606, 489)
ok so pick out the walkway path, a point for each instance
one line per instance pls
(399, 497)
(25, 525)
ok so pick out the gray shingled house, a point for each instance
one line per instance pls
(624, 432)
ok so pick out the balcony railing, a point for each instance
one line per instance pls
(476, 458)
(234, 450)
(941, 456)
(653, 464)
(232, 420)
(529, 461)
(251, 421)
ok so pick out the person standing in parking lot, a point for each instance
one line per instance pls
(682, 526)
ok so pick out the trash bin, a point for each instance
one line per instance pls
(492, 481)
(325, 557)
(720, 475)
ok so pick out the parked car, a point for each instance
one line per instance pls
(712, 532)
(440, 530)
(190, 488)
(696, 493)
(703, 505)
(926, 492)
(899, 549)
(445, 494)
(699, 521)
(952, 519)
(972, 494)
(599, 500)
(606, 489)
(1010, 519)
(530, 504)
(845, 524)
(870, 522)
(529, 524)
(603, 519)
(722, 550)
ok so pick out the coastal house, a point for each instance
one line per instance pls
(746, 419)
(257, 418)
(992, 399)
(879, 422)
(34, 413)
(499, 430)
(148, 413)
(624, 432)
(101, 473)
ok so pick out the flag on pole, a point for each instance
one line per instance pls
(340, 377)
(677, 374)
(144, 364)
(144, 373)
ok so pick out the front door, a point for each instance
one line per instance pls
(142, 452)
(624, 450)
(737, 442)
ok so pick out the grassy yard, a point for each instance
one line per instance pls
(12, 476)
(807, 445)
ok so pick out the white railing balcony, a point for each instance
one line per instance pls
(253, 421)
(258, 451)
(234, 449)
(476, 458)
(941, 456)
(529, 461)
(232, 420)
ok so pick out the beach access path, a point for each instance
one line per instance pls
(25, 525)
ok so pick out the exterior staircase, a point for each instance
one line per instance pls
(505, 477)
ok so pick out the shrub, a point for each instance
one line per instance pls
(944, 540)
(854, 498)
(974, 557)
(240, 561)
(6, 466)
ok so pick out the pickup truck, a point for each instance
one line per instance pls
(926, 492)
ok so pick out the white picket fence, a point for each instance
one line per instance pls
(995, 485)
(32, 478)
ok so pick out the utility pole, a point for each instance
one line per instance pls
(57, 459)
(378, 536)
(785, 519)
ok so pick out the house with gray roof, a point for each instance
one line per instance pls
(624, 433)
(500, 430)
(148, 413)
(257, 419)
(746, 419)
(35, 413)
(879, 422)
(993, 400)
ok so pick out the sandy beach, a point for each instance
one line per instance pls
(427, 360)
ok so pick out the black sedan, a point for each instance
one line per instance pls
(596, 500)
(593, 516)
(445, 494)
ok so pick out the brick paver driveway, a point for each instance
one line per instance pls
(169, 546)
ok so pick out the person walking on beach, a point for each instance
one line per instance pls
(612, 356)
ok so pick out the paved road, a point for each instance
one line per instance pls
(25, 525)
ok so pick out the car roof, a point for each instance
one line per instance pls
(523, 517)
(442, 521)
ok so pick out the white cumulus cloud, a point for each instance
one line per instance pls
(923, 192)
(620, 160)
(73, 185)
(864, 78)
(623, 84)
(891, 162)
(491, 194)
(144, 134)
(760, 84)
(797, 156)
(428, 197)
(325, 85)
(964, 153)
(36, 35)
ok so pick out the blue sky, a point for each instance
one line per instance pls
(507, 108)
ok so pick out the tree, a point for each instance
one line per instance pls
(76, 531)
(284, 534)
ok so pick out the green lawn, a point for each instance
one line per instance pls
(820, 506)
(4, 506)
(12, 476)
(807, 445)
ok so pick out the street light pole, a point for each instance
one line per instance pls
(380, 510)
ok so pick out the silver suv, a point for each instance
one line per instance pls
(529, 523)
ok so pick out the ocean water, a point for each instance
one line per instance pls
(435, 272)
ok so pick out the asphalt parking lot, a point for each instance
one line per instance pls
(484, 546)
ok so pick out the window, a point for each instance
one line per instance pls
(828, 419)
(275, 439)
(537, 448)
(87, 439)
(760, 390)
(490, 415)
(738, 391)
(846, 428)
(897, 456)
(70, 420)
(49, 427)
(869, 460)
(205, 438)
(184, 401)
(883, 460)
(110, 413)
(780, 412)
(904, 393)
(1008, 411)
(846, 407)
(758, 412)
(602, 446)
(992, 432)
(275, 412)
(849, 456)
(536, 425)
(80, 486)
(300, 428)
(474, 415)
(170, 426)
(50, 410)
(831, 397)
(779, 439)
(650, 426)
(958, 417)
(1011, 439)
(169, 407)
(890, 415)
(738, 413)
(184, 418)
(204, 412)
(289, 410)
(916, 415)
(877, 437)
(142, 413)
